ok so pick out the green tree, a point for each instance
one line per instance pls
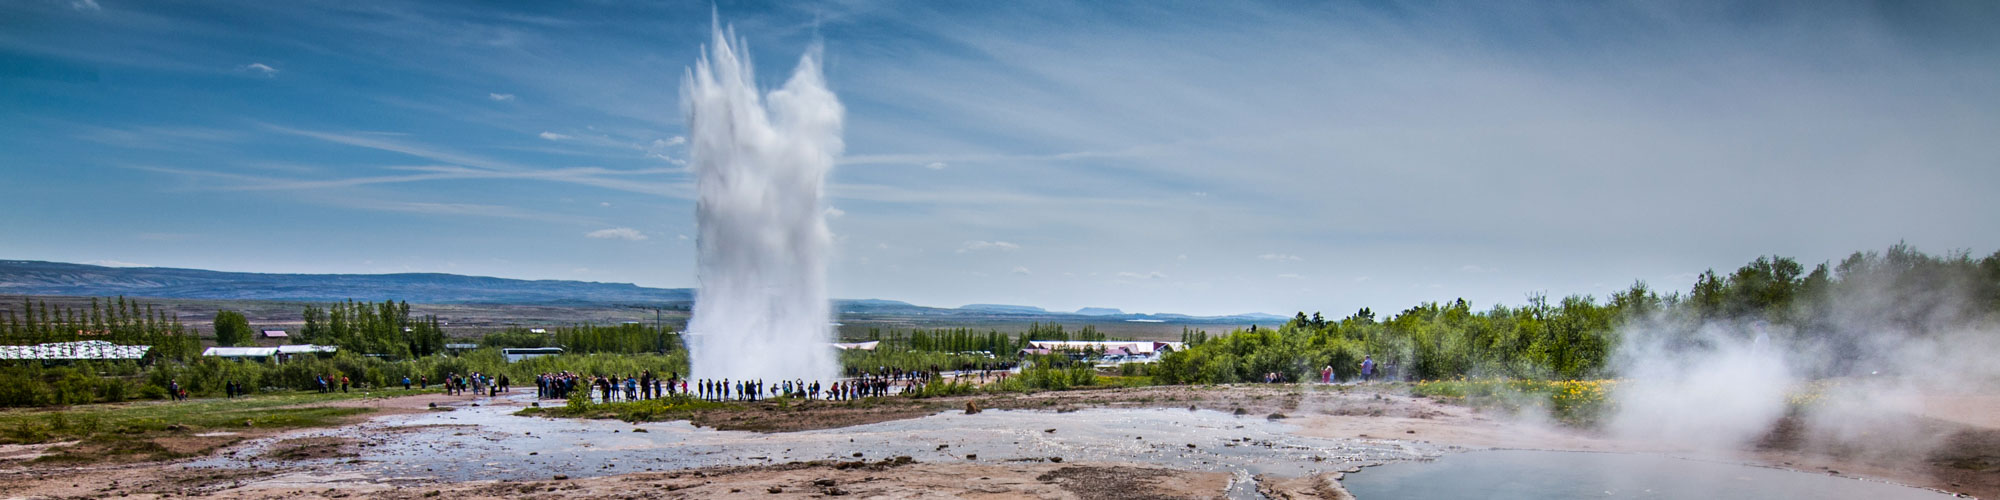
(231, 328)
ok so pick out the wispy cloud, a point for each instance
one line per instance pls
(554, 136)
(1280, 257)
(115, 263)
(936, 165)
(1152, 275)
(617, 233)
(975, 246)
(1021, 270)
(500, 97)
(86, 5)
(259, 69)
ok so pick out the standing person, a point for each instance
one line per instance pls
(423, 381)
(406, 382)
(174, 389)
(344, 383)
(1367, 367)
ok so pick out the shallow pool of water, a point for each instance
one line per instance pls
(1539, 475)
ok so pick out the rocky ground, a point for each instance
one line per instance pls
(1967, 461)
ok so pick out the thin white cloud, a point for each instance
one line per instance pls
(1469, 268)
(1021, 270)
(115, 263)
(259, 69)
(1290, 276)
(500, 97)
(1152, 275)
(86, 5)
(936, 165)
(553, 136)
(617, 233)
(834, 213)
(974, 246)
(1280, 257)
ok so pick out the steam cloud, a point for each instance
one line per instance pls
(1871, 358)
(760, 168)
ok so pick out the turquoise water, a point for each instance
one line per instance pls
(1515, 474)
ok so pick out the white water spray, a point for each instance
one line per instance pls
(760, 166)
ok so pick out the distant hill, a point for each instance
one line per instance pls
(56, 278)
(27, 277)
(1003, 308)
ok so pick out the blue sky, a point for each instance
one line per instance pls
(1197, 157)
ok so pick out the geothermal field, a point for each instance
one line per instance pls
(585, 251)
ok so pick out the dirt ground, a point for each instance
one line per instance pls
(1966, 460)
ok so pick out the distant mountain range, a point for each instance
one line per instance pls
(27, 277)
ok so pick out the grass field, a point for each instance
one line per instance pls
(159, 430)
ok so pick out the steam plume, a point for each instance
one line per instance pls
(760, 167)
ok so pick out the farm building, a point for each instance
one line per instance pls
(74, 351)
(516, 354)
(1130, 347)
(849, 346)
(274, 334)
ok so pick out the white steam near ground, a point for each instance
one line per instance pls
(760, 165)
(1852, 376)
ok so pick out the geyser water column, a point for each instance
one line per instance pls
(760, 167)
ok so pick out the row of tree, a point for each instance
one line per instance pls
(970, 340)
(384, 328)
(1839, 310)
(120, 321)
(629, 338)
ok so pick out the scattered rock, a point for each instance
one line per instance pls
(971, 408)
(857, 454)
(1240, 411)
(1411, 431)
(904, 459)
(824, 481)
(434, 404)
(1055, 459)
(1190, 446)
(971, 456)
(534, 453)
(775, 490)
(834, 492)
(1275, 416)
(943, 446)
(1051, 431)
(640, 430)
(562, 477)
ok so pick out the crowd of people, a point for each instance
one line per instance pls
(647, 385)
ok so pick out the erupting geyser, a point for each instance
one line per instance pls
(760, 165)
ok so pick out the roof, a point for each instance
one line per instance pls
(85, 349)
(865, 346)
(461, 346)
(306, 348)
(538, 330)
(275, 333)
(240, 352)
